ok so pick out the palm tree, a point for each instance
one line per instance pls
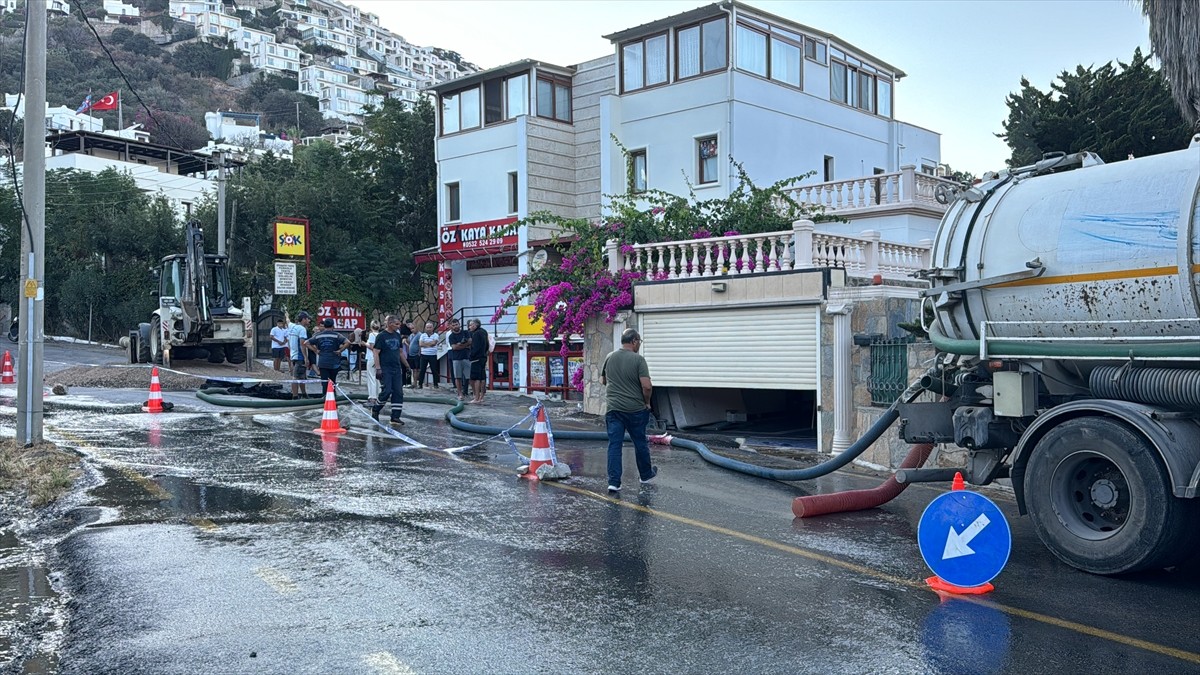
(1175, 39)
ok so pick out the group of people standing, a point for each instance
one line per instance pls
(394, 354)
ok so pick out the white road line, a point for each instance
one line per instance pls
(386, 662)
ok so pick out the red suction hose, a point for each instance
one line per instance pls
(858, 500)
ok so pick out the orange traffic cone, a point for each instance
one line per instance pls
(540, 455)
(957, 483)
(6, 377)
(154, 404)
(329, 418)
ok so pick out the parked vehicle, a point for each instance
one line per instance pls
(195, 317)
(1064, 300)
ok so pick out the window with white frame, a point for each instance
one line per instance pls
(700, 49)
(644, 63)
(707, 159)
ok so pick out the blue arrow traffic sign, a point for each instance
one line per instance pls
(964, 538)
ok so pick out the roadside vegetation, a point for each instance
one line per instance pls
(35, 476)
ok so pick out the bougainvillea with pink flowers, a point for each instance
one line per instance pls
(567, 291)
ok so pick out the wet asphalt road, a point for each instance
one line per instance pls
(245, 543)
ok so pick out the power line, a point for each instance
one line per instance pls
(157, 123)
(12, 160)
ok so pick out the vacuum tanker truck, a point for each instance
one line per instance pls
(1063, 303)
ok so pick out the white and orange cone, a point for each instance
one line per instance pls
(6, 377)
(541, 455)
(154, 404)
(329, 418)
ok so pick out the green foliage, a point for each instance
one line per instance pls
(1113, 111)
(200, 58)
(165, 22)
(141, 45)
(102, 236)
(120, 35)
(173, 129)
(184, 31)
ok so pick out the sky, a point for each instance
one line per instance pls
(962, 57)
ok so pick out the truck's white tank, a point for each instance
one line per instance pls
(1119, 242)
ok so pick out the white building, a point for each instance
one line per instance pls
(240, 134)
(116, 9)
(58, 118)
(340, 92)
(682, 95)
(182, 177)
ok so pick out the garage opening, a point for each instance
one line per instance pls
(762, 416)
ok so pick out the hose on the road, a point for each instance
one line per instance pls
(881, 425)
(859, 500)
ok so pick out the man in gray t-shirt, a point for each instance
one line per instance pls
(626, 379)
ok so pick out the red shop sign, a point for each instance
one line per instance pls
(345, 315)
(484, 234)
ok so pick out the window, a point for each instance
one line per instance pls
(814, 50)
(859, 85)
(554, 99)
(785, 62)
(460, 111)
(828, 168)
(493, 101)
(751, 51)
(517, 95)
(513, 194)
(884, 97)
(644, 63)
(775, 56)
(707, 155)
(452, 203)
(637, 171)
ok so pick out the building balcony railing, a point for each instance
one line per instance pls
(802, 247)
(906, 187)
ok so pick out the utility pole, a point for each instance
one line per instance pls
(33, 235)
(220, 156)
(298, 118)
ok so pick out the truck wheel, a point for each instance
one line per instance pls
(155, 341)
(143, 345)
(235, 353)
(1101, 501)
(216, 353)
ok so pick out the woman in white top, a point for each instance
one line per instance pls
(372, 381)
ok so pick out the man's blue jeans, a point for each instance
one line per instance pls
(618, 424)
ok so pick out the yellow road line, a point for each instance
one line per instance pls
(205, 524)
(386, 662)
(277, 580)
(1183, 655)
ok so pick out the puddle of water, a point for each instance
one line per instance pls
(26, 605)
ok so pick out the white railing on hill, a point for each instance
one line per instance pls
(802, 247)
(904, 187)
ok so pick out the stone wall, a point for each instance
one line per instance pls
(873, 314)
(597, 344)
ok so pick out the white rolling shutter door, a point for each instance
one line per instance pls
(755, 348)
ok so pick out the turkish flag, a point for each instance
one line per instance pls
(107, 102)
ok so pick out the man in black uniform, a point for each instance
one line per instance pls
(328, 344)
(391, 361)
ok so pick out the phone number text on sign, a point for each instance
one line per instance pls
(484, 234)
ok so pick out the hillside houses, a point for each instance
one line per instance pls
(340, 54)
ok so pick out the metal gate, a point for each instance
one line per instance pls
(889, 369)
(262, 332)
